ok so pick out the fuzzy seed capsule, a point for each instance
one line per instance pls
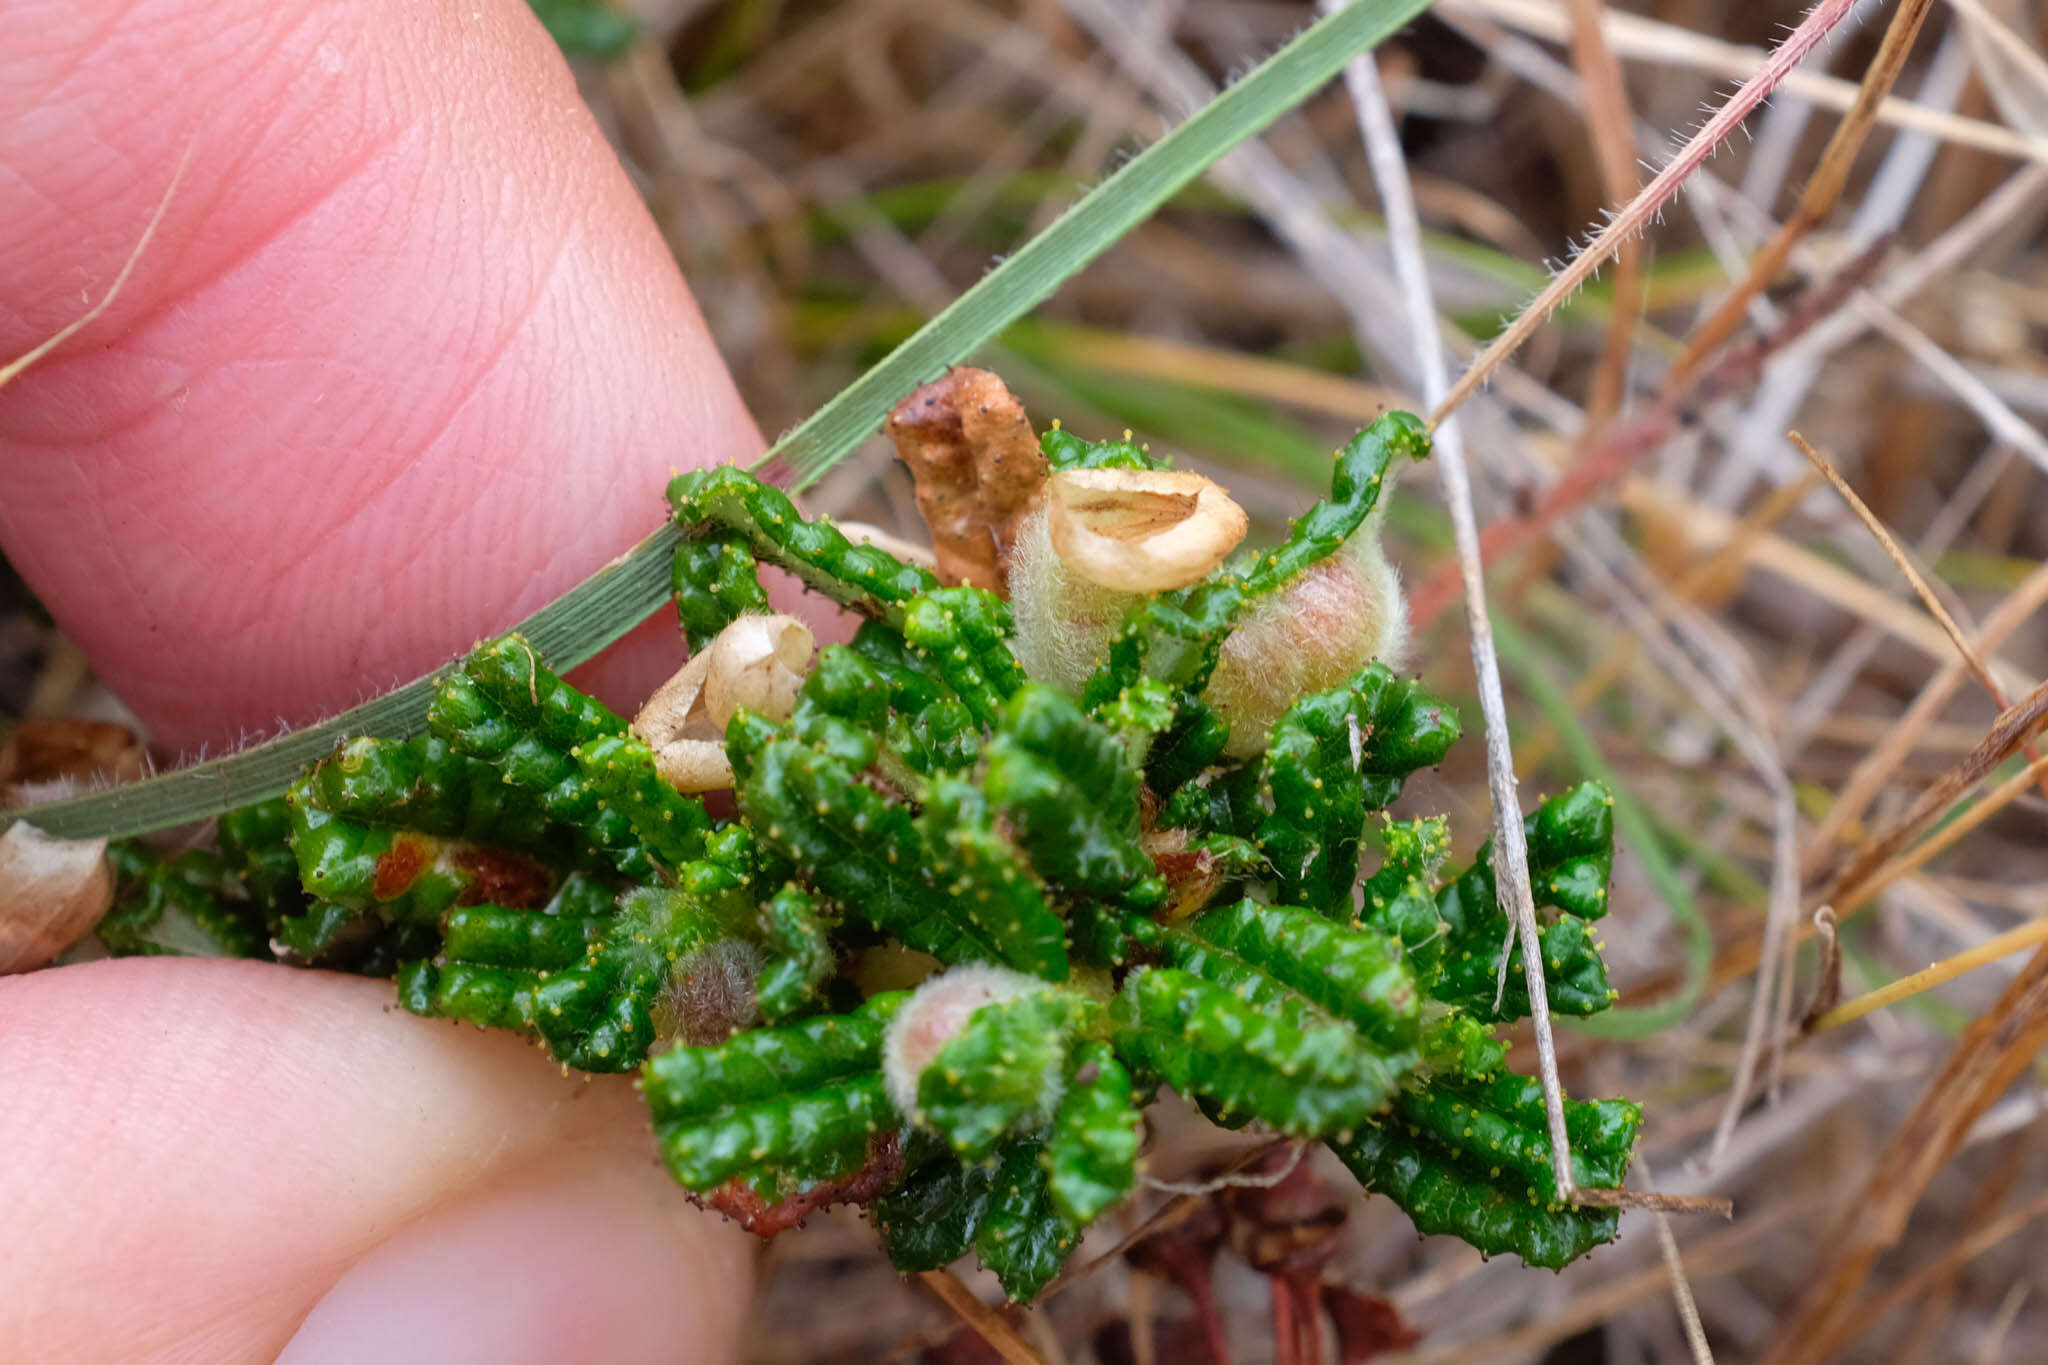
(934, 1016)
(1330, 621)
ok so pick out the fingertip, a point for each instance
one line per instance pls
(199, 1148)
(566, 1262)
(407, 359)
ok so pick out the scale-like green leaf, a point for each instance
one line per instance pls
(255, 843)
(1072, 794)
(189, 905)
(1333, 757)
(1399, 899)
(1303, 1077)
(963, 634)
(1091, 1154)
(863, 577)
(1571, 851)
(1023, 1237)
(930, 1220)
(425, 786)
(590, 984)
(800, 956)
(989, 883)
(1066, 450)
(1004, 1073)
(714, 583)
(1002, 1207)
(1264, 953)
(773, 1107)
(474, 725)
(944, 882)
(1472, 1158)
(927, 725)
(544, 735)
(401, 876)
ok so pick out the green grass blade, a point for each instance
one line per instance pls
(624, 593)
(1085, 231)
(567, 631)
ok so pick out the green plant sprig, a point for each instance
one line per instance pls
(1089, 938)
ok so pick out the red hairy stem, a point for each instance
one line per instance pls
(1634, 216)
(1613, 452)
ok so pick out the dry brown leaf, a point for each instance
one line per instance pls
(975, 459)
(1993, 1051)
(66, 755)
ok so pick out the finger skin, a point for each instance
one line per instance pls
(197, 1150)
(405, 359)
(566, 1261)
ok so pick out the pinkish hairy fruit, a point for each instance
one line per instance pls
(1333, 619)
(934, 1016)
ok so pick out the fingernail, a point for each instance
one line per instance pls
(566, 1264)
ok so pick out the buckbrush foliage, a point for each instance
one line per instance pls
(1116, 894)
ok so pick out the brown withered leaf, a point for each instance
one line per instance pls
(77, 753)
(2000, 1044)
(1289, 1227)
(975, 460)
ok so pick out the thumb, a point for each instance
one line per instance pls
(207, 1158)
(404, 360)
(568, 1262)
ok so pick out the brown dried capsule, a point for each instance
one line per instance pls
(52, 892)
(757, 663)
(51, 758)
(1141, 530)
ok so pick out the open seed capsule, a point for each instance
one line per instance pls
(52, 892)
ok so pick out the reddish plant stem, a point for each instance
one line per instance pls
(1615, 451)
(1287, 1344)
(1637, 213)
